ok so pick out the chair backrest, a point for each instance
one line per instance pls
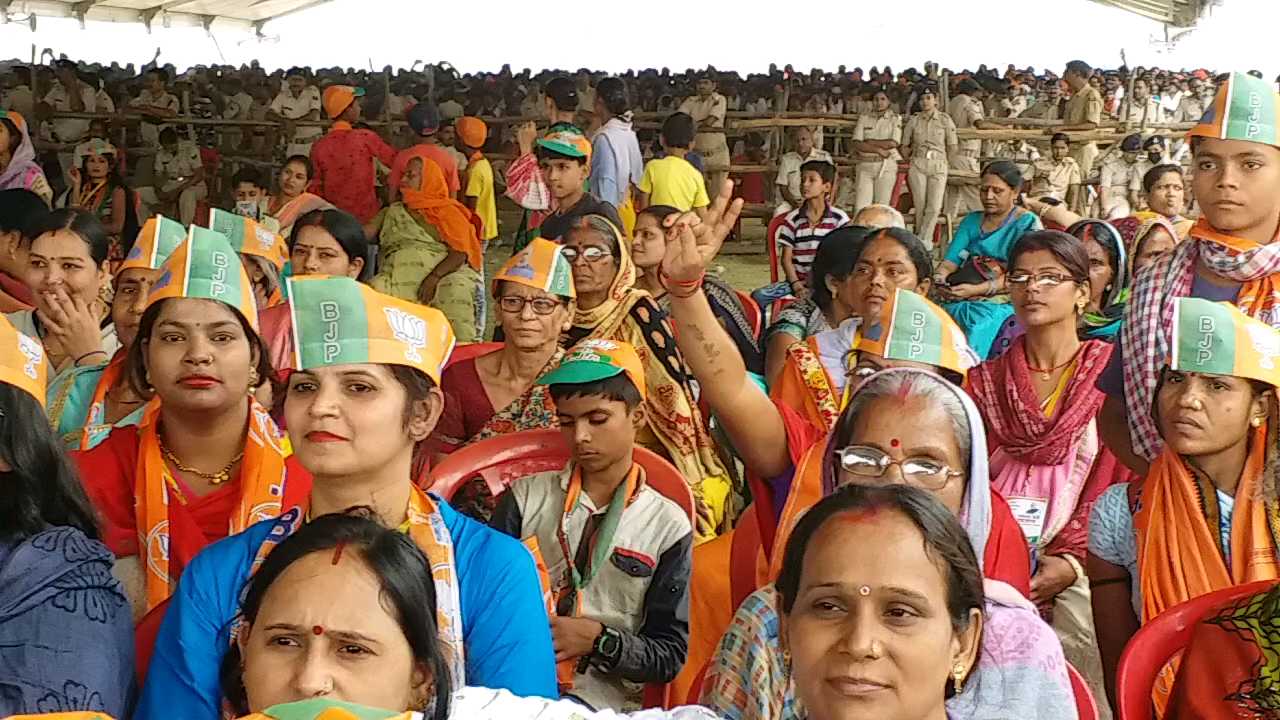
(752, 310)
(771, 244)
(504, 459)
(1159, 640)
(466, 351)
(1086, 706)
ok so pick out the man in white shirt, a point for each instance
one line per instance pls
(298, 101)
(179, 176)
(788, 182)
(155, 103)
(709, 109)
(69, 94)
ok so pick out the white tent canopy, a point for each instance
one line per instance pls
(1181, 13)
(209, 14)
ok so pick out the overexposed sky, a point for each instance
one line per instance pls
(744, 35)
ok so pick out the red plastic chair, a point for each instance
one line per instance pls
(504, 459)
(771, 244)
(1086, 706)
(755, 318)
(899, 185)
(466, 351)
(1159, 640)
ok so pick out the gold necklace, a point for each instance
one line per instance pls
(217, 478)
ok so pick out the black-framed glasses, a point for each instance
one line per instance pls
(514, 304)
(869, 462)
(590, 254)
(1045, 280)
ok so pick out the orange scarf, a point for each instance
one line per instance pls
(806, 491)
(96, 419)
(431, 200)
(262, 476)
(805, 386)
(426, 527)
(1178, 553)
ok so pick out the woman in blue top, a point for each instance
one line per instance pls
(361, 400)
(982, 242)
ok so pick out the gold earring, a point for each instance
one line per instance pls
(957, 678)
(1256, 422)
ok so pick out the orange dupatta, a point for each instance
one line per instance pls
(262, 477)
(96, 417)
(451, 217)
(805, 386)
(427, 529)
(1178, 553)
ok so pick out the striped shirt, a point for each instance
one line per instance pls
(797, 233)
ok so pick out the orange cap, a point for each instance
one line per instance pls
(472, 130)
(337, 98)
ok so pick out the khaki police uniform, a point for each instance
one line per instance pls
(875, 175)
(1085, 107)
(711, 145)
(931, 139)
(966, 112)
(1116, 178)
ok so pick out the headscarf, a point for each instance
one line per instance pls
(1106, 322)
(23, 162)
(431, 200)
(1135, 229)
(631, 316)
(204, 267)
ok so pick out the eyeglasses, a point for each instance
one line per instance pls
(1045, 280)
(869, 462)
(514, 304)
(591, 254)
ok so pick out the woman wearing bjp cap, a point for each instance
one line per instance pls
(205, 460)
(362, 398)
(262, 251)
(87, 403)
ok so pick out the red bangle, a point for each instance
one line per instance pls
(692, 286)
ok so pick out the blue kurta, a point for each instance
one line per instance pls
(505, 627)
(982, 320)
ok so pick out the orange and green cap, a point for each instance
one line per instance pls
(570, 143)
(338, 321)
(206, 267)
(1218, 339)
(23, 362)
(249, 237)
(914, 329)
(324, 709)
(337, 98)
(542, 265)
(597, 359)
(1245, 108)
(156, 241)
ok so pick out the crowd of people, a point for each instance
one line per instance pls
(923, 475)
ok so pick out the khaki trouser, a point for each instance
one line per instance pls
(928, 181)
(1073, 623)
(964, 198)
(1085, 154)
(186, 201)
(715, 153)
(875, 182)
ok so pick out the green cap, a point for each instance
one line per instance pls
(598, 359)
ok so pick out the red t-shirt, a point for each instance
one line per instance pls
(343, 162)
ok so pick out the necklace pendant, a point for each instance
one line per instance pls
(1047, 376)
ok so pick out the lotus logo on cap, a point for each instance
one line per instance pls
(408, 329)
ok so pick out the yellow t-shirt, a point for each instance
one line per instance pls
(675, 182)
(480, 187)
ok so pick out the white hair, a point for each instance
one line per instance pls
(879, 211)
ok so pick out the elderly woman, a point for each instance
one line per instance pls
(971, 276)
(1145, 240)
(610, 307)
(1203, 518)
(18, 166)
(428, 246)
(495, 394)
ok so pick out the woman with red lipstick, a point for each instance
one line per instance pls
(361, 401)
(205, 461)
(865, 269)
(86, 404)
(1204, 517)
(1040, 402)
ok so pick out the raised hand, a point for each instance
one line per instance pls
(692, 243)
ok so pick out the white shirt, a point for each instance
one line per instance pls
(69, 131)
(296, 108)
(789, 168)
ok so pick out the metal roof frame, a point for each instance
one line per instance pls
(247, 15)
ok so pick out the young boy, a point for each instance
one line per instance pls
(251, 197)
(673, 180)
(564, 157)
(803, 229)
(478, 188)
(617, 552)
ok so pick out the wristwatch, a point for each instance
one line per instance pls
(607, 649)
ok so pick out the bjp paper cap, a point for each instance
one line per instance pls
(96, 146)
(1218, 339)
(249, 237)
(1245, 108)
(472, 130)
(157, 240)
(23, 363)
(206, 267)
(597, 359)
(337, 98)
(912, 328)
(542, 265)
(570, 143)
(14, 117)
(338, 321)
